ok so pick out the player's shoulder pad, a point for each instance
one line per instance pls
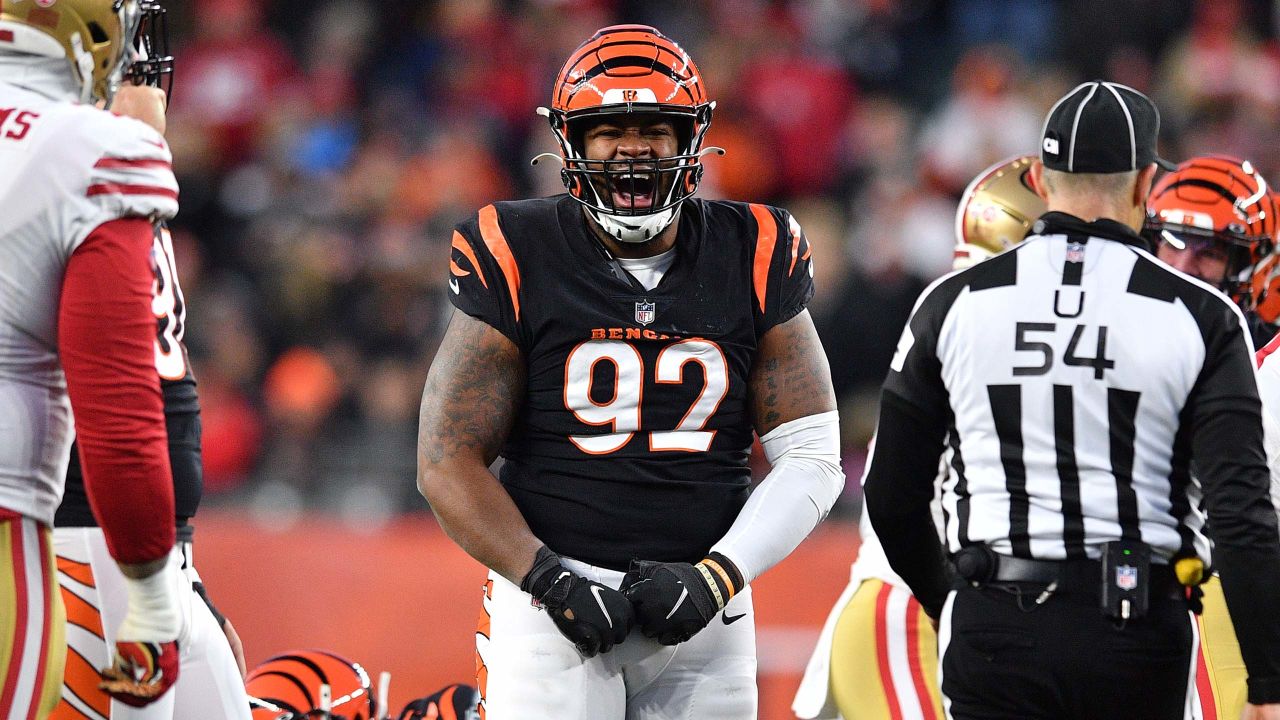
(781, 257)
(130, 171)
(481, 252)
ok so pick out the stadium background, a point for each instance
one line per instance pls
(326, 148)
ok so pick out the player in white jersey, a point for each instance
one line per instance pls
(92, 587)
(80, 189)
(877, 656)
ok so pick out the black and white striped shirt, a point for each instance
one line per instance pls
(1073, 381)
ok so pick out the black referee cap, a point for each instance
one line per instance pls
(1101, 127)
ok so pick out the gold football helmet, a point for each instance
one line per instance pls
(98, 37)
(996, 211)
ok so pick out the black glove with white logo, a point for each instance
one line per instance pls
(673, 601)
(594, 617)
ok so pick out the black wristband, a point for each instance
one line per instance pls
(542, 575)
(736, 581)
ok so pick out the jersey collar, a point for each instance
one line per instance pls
(1060, 223)
(50, 77)
(593, 253)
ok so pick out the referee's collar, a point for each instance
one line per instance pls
(1060, 223)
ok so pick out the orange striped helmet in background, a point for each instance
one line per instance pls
(1217, 198)
(630, 69)
(1265, 284)
(310, 684)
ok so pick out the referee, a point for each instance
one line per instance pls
(1075, 382)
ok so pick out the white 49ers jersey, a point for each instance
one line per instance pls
(1269, 391)
(65, 169)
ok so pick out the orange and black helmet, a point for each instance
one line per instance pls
(310, 685)
(1264, 286)
(453, 702)
(1216, 198)
(630, 69)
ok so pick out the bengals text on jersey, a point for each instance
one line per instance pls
(636, 406)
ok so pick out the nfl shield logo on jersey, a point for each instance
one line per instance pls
(1126, 577)
(1075, 252)
(645, 312)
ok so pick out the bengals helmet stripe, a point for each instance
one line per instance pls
(1222, 198)
(289, 687)
(303, 690)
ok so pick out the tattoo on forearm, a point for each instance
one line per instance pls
(791, 378)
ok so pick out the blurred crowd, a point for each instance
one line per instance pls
(326, 148)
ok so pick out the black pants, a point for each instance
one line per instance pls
(1063, 660)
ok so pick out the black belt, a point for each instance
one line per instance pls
(979, 566)
(1016, 569)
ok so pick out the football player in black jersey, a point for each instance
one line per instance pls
(1214, 218)
(617, 346)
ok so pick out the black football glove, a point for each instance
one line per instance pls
(594, 617)
(673, 601)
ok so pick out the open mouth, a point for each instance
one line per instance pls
(634, 191)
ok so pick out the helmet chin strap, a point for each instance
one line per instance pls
(634, 229)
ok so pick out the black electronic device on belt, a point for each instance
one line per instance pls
(1126, 579)
(976, 564)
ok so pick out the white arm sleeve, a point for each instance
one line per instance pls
(797, 494)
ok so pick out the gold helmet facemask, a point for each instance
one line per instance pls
(996, 211)
(97, 36)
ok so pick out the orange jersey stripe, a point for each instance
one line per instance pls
(766, 238)
(82, 614)
(446, 704)
(461, 245)
(482, 628)
(501, 251)
(78, 571)
(82, 679)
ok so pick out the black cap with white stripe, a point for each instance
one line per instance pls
(1101, 127)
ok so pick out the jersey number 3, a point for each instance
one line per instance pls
(622, 412)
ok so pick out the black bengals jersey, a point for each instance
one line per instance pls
(633, 435)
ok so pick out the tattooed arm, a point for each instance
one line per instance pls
(793, 408)
(473, 392)
(791, 378)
